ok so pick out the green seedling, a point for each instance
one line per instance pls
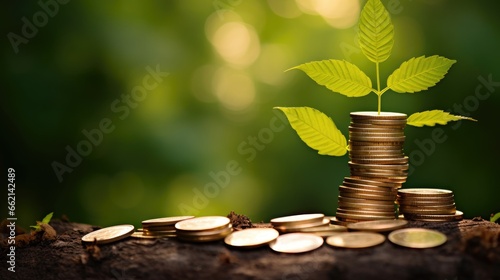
(495, 217)
(46, 220)
(376, 39)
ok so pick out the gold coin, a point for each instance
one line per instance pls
(139, 234)
(166, 221)
(296, 243)
(368, 196)
(424, 192)
(378, 226)
(417, 238)
(445, 217)
(297, 219)
(296, 227)
(360, 217)
(381, 115)
(251, 238)
(162, 232)
(363, 200)
(158, 228)
(363, 206)
(426, 211)
(356, 239)
(195, 233)
(202, 223)
(425, 202)
(389, 213)
(383, 192)
(357, 180)
(206, 238)
(380, 160)
(109, 234)
(369, 187)
(335, 221)
(325, 228)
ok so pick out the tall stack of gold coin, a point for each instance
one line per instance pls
(377, 165)
(430, 205)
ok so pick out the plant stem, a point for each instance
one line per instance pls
(379, 94)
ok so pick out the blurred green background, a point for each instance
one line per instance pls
(69, 66)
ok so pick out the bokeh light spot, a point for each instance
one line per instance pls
(340, 14)
(235, 90)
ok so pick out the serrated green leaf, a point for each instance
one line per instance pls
(419, 73)
(317, 130)
(339, 76)
(376, 31)
(433, 117)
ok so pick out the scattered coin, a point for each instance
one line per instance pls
(417, 238)
(251, 238)
(297, 219)
(166, 221)
(206, 236)
(109, 234)
(202, 223)
(378, 226)
(356, 239)
(296, 243)
(141, 235)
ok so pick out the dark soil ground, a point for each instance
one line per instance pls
(471, 252)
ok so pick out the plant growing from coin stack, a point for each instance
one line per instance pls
(378, 165)
(376, 39)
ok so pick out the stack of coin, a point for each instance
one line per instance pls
(378, 167)
(204, 229)
(159, 227)
(432, 205)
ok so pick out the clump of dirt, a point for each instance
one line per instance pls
(483, 243)
(239, 222)
(46, 233)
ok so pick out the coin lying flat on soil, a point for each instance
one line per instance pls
(202, 223)
(109, 234)
(251, 238)
(417, 238)
(296, 243)
(356, 239)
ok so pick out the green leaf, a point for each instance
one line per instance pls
(339, 76)
(45, 220)
(376, 31)
(433, 117)
(495, 217)
(419, 74)
(317, 130)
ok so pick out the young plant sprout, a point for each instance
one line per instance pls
(376, 39)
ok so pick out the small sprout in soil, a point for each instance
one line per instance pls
(495, 217)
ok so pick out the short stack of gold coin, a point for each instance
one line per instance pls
(378, 167)
(204, 229)
(315, 224)
(431, 205)
(160, 227)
